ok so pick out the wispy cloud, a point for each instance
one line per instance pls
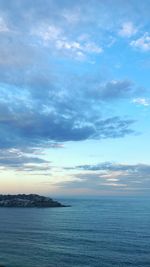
(110, 177)
(142, 43)
(142, 101)
(127, 29)
(117, 167)
(3, 25)
(19, 160)
(77, 48)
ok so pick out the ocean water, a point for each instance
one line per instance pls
(91, 233)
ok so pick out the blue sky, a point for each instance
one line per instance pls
(74, 97)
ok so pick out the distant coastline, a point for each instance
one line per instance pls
(28, 201)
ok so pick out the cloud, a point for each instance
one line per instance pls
(16, 159)
(23, 125)
(110, 166)
(142, 101)
(3, 25)
(127, 30)
(142, 43)
(77, 48)
(109, 177)
(114, 89)
(48, 32)
(69, 110)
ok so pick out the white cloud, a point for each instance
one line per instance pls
(113, 180)
(75, 47)
(87, 47)
(3, 25)
(114, 184)
(142, 101)
(142, 43)
(48, 33)
(127, 29)
(65, 44)
(91, 47)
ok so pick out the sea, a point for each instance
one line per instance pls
(104, 232)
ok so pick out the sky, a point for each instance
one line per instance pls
(75, 97)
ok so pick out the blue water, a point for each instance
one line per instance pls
(92, 233)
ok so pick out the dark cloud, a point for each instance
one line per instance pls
(109, 166)
(22, 126)
(116, 89)
(111, 90)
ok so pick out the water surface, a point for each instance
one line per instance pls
(91, 233)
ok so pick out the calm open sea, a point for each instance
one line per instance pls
(92, 233)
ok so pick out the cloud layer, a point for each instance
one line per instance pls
(109, 177)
